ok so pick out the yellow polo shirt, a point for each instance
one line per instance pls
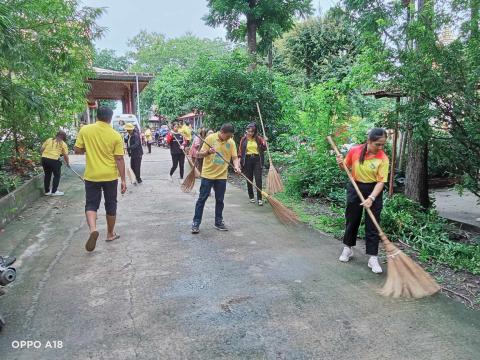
(101, 143)
(214, 168)
(186, 132)
(53, 149)
(148, 135)
(252, 147)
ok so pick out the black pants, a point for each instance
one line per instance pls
(178, 159)
(253, 167)
(149, 146)
(353, 217)
(135, 164)
(93, 196)
(51, 166)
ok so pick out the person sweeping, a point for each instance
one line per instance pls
(177, 146)
(369, 166)
(52, 149)
(251, 153)
(214, 174)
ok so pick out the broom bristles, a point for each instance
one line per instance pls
(405, 278)
(284, 214)
(274, 181)
(189, 181)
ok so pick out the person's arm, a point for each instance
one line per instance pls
(135, 142)
(79, 151)
(236, 164)
(67, 159)
(79, 147)
(119, 160)
(42, 149)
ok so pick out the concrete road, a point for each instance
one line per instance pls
(259, 291)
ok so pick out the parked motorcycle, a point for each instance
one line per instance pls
(8, 274)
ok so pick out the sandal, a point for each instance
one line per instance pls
(92, 241)
(115, 237)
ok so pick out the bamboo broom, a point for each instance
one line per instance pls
(284, 214)
(274, 181)
(189, 181)
(405, 278)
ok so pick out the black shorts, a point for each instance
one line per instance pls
(93, 196)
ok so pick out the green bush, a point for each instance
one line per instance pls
(426, 232)
(8, 182)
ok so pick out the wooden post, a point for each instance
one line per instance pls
(394, 151)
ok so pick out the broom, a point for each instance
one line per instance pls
(284, 214)
(405, 278)
(189, 181)
(274, 181)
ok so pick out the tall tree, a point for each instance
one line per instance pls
(249, 18)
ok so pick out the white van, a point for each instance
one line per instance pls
(119, 121)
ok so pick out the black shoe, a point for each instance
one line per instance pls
(221, 226)
(195, 228)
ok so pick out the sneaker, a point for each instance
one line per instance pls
(347, 253)
(195, 228)
(57, 193)
(48, 193)
(252, 200)
(260, 202)
(170, 178)
(374, 265)
(221, 226)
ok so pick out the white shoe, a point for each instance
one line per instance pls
(252, 201)
(260, 203)
(48, 193)
(347, 253)
(374, 265)
(57, 193)
(170, 178)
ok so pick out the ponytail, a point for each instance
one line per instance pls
(363, 153)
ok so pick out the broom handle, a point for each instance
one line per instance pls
(263, 128)
(221, 157)
(81, 178)
(359, 193)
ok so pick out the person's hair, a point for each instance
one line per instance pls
(174, 124)
(373, 135)
(186, 122)
(227, 129)
(202, 132)
(254, 127)
(59, 137)
(104, 114)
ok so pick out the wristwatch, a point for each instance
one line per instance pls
(372, 197)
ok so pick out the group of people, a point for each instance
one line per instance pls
(213, 153)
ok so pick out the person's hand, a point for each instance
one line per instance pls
(265, 138)
(340, 160)
(182, 147)
(237, 170)
(212, 150)
(123, 189)
(367, 203)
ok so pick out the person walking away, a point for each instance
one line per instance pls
(369, 166)
(134, 150)
(52, 150)
(251, 153)
(195, 148)
(149, 139)
(103, 147)
(177, 145)
(214, 174)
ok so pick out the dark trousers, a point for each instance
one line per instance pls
(253, 167)
(135, 164)
(149, 146)
(178, 159)
(219, 186)
(93, 196)
(51, 166)
(353, 217)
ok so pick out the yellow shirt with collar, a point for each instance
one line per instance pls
(101, 143)
(53, 149)
(214, 168)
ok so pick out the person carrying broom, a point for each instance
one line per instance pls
(177, 146)
(369, 166)
(217, 151)
(251, 153)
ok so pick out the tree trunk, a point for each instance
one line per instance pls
(270, 56)
(416, 174)
(474, 18)
(252, 28)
